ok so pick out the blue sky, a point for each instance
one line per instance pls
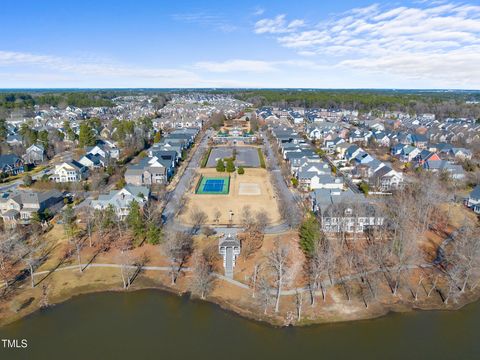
(318, 44)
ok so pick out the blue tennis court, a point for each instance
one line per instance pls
(213, 185)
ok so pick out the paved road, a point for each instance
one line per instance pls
(293, 200)
(14, 184)
(184, 182)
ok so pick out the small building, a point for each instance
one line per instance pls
(229, 248)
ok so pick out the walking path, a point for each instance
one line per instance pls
(239, 284)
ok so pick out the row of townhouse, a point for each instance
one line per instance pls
(339, 208)
(379, 175)
(162, 159)
(433, 158)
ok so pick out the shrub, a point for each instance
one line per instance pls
(27, 180)
(220, 166)
(241, 170)
(364, 187)
(261, 158)
(230, 166)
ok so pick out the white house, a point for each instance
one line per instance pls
(71, 171)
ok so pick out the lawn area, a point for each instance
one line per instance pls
(261, 158)
(32, 172)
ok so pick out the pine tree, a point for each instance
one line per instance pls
(135, 221)
(86, 136)
(310, 234)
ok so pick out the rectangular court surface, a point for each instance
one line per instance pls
(214, 185)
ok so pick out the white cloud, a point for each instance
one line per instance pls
(439, 42)
(69, 68)
(258, 11)
(236, 65)
(255, 66)
(206, 20)
(278, 25)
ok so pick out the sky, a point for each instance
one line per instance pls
(216, 44)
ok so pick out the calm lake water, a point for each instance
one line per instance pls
(154, 325)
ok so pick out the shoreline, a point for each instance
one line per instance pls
(376, 310)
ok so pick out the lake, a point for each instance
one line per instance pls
(151, 324)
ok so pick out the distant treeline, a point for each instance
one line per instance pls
(443, 104)
(78, 99)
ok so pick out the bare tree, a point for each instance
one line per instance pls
(256, 269)
(246, 217)
(319, 266)
(9, 243)
(264, 295)
(32, 251)
(261, 220)
(198, 218)
(465, 255)
(127, 268)
(76, 242)
(202, 280)
(278, 261)
(178, 248)
(216, 216)
(299, 303)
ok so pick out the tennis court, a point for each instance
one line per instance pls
(213, 185)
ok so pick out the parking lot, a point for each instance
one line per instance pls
(246, 156)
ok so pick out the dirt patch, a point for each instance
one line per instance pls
(252, 188)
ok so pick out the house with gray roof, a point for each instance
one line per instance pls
(121, 199)
(345, 211)
(34, 154)
(456, 171)
(149, 171)
(11, 164)
(19, 207)
(473, 199)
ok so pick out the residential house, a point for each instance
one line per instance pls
(149, 171)
(11, 164)
(456, 171)
(14, 140)
(121, 199)
(71, 171)
(21, 206)
(93, 161)
(34, 154)
(473, 200)
(386, 179)
(418, 140)
(344, 211)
